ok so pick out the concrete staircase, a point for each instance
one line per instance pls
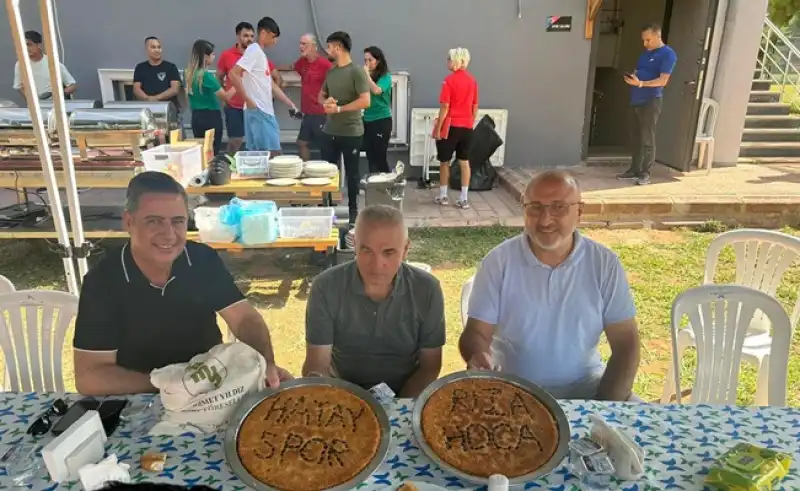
(771, 133)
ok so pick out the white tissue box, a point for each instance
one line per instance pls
(81, 444)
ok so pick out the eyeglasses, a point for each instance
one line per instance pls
(44, 422)
(557, 209)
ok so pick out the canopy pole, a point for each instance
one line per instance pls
(64, 140)
(31, 96)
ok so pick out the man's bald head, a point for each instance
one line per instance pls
(551, 178)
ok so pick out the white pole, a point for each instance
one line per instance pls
(64, 140)
(31, 96)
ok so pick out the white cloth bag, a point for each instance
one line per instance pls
(202, 395)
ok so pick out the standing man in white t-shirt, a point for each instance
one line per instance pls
(41, 70)
(252, 80)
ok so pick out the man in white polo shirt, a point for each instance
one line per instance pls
(41, 70)
(541, 300)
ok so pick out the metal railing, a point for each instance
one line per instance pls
(778, 62)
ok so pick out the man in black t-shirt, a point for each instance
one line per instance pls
(154, 302)
(156, 79)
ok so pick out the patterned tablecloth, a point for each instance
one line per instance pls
(681, 442)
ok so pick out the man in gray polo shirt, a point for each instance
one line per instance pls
(541, 301)
(376, 319)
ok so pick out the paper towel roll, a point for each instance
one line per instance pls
(200, 180)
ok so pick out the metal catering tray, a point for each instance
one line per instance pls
(250, 402)
(562, 449)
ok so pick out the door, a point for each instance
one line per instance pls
(691, 25)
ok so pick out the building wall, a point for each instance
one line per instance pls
(734, 74)
(540, 77)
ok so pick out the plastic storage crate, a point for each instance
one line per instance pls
(252, 164)
(306, 223)
(181, 162)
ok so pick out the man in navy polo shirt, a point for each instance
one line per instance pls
(154, 302)
(647, 88)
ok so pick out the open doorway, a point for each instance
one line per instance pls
(687, 26)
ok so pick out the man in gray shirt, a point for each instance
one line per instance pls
(377, 319)
(344, 94)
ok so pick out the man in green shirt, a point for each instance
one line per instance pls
(344, 95)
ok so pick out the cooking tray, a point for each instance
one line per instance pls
(562, 449)
(250, 402)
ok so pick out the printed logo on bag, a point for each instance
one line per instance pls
(198, 377)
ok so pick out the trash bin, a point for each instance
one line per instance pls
(385, 189)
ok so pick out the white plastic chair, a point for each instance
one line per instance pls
(704, 140)
(33, 343)
(719, 318)
(6, 286)
(762, 258)
(466, 291)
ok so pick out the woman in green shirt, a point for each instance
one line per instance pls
(378, 116)
(204, 93)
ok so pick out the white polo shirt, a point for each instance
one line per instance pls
(549, 320)
(41, 76)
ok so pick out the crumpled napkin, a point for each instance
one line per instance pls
(96, 476)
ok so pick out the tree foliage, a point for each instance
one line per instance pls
(781, 12)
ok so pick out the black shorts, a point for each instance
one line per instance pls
(234, 122)
(458, 142)
(311, 129)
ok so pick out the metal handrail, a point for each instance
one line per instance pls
(778, 60)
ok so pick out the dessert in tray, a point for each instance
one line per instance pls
(308, 438)
(485, 426)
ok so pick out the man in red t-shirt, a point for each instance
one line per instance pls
(234, 109)
(312, 69)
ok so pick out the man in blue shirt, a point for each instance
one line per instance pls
(647, 88)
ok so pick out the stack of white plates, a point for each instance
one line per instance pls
(320, 168)
(285, 167)
(350, 239)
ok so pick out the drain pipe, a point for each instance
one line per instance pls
(313, 6)
(720, 24)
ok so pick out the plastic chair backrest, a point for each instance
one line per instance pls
(466, 291)
(6, 286)
(707, 121)
(33, 325)
(719, 316)
(762, 258)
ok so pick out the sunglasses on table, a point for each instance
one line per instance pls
(44, 422)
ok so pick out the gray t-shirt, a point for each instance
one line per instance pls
(345, 84)
(375, 342)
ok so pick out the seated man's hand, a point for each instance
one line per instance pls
(276, 375)
(481, 361)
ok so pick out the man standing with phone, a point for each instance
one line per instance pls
(647, 89)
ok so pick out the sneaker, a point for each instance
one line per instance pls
(463, 204)
(441, 201)
(643, 180)
(628, 175)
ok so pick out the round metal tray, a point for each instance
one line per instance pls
(544, 397)
(251, 401)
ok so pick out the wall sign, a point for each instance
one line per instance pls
(559, 23)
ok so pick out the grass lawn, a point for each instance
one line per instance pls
(790, 96)
(659, 265)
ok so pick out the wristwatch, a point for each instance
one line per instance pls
(338, 109)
